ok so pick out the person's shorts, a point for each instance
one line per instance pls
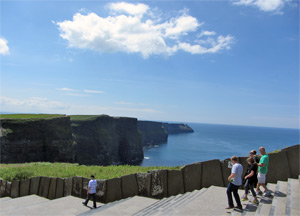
(261, 178)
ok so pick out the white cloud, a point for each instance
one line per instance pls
(214, 45)
(132, 33)
(264, 5)
(4, 49)
(132, 9)
(32, 103)
(206, 33)
(93, 91)
(66, 89)
(44, 105)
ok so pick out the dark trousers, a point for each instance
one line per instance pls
(251, 186)
(89, 197)
(233, 189)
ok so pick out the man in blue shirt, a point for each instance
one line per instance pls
(235, 181)
(91, 191)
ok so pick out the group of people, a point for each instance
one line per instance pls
(254, 177)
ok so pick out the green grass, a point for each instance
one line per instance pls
(11, 172)
(29, 116)
(84, 117)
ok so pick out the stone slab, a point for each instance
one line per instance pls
(63, 206)
(52, 188)
(101, 191)
(113, 190)
(77, 186)
(226, 171)
(278, 167)
(175, 182)
(15, 189)
(293, 154)
(85, 185)
(3, 188)
(34, 185)
(211, 174)
(59, 191)
(24, 187)
(129, 206)
(68, 185)
(159, 183)
(44, 186)
(192, 177)
(129, 186)
(20, 203)
(144, 184)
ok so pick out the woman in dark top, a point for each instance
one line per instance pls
(251, 179)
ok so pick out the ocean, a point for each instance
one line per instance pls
(211, 141)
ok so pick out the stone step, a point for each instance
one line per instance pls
(293, 201)
(279, 200)
(63, 206)
(180, 202)
(211, 202)
(166, 202)
(127, 206)
(265, 203)
(4, 199)
(20, 203)
(157, 205)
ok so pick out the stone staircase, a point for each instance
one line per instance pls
(207, 201)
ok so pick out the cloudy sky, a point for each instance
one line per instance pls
(225, 62)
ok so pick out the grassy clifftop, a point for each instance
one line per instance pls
(29, 116)
(11, 172)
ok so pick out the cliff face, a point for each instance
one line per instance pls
(152, 133)
(28, 140)
(177, 128)
(104, 140)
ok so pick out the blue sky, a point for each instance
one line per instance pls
(224, 62)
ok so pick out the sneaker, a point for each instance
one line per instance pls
(244, 199)
(267, 193)
(83, 203)
(255, 202)
(258, 192)
(239, 208)
(229, 207)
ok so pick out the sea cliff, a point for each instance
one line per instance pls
(106, 140)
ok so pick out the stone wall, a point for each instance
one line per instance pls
(155, 183)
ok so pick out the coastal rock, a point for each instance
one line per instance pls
(177, 128)
(152, 133)
(30, 140)
(105, 140)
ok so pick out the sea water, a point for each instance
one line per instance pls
(211, 141)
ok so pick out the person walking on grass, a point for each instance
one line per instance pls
(251, 179)
(91, 191)
(262, 172)
(235, 181)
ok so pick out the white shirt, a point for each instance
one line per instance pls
(92, 186)
(237, 169)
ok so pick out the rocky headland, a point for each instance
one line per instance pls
(83, 139)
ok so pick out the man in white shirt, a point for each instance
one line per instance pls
(235, 181)
(91, 191)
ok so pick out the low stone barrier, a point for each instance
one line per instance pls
(113, 190)
(175, 182)
(211, 174)
(155, 183)
(192, 177)
(129, 186)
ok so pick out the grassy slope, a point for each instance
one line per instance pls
(27, 170)
(29, 116)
